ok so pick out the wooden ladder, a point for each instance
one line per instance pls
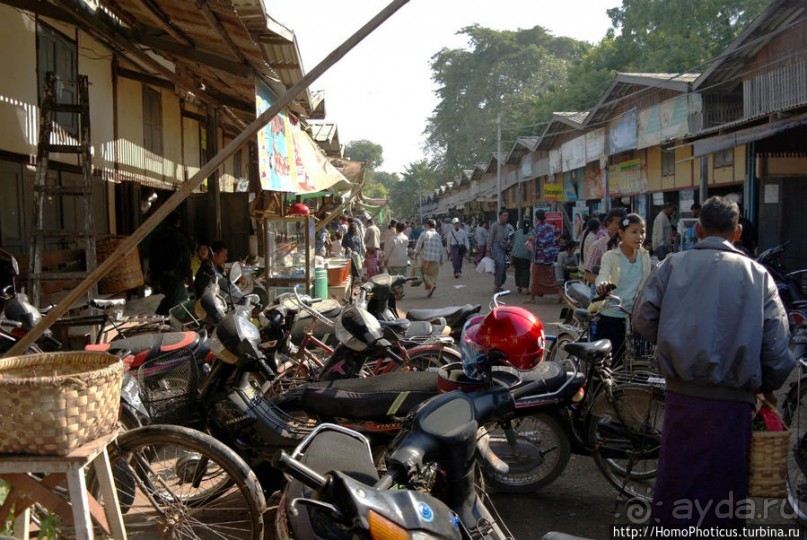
(43, 190)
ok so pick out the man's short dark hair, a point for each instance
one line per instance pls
(431, 223)
(400, 227)
(719, 215)
(615, 213)
(503, 211)
(217, 246)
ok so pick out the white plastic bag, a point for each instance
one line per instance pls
(486, 266)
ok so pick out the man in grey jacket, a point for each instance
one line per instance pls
(722, 337)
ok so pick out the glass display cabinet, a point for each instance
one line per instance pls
(289, 253)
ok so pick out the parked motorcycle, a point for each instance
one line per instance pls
(380, 294)
(792, 286)
(336, 494)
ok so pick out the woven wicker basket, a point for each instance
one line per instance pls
(126, 275)
(54, 402)
(767, 464)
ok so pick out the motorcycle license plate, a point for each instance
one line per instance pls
(799, 336)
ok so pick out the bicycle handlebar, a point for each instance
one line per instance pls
(314, 313)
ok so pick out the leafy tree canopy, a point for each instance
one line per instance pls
(680, 36)
(501, 72)
(526, 75)
(367, 151)
(419, 180)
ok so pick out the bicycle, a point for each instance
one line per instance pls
(636, 353)
(794, 409)
(617, 420)
(299, 364)
(176, 482)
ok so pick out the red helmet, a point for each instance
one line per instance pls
(509, 334)
(298, 209)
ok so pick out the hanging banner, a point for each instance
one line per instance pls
(594, 182)
(627, 178)
(288, 160)
(595, 144)
(555, 162)
(573, 153)
(622, 133)
(556, 220)
(579, 215)
(649, 131)
(553, 192)
(569, 187)
(674, 115)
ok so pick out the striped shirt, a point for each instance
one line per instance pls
(430, 246)
(498, 235)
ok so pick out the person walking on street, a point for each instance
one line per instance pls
(626, 264)
(429, 248)
(390, 232)
(663, 232)
(395, 252)
(544, 252)
(722, 337)
(457, 246)
(372, 236)
(521, 256)
(596, 249)
(481, 235)
(498, 244)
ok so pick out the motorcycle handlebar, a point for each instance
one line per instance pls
(265, 369)
(303, 473)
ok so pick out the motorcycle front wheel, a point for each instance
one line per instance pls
(175, 482)
(540, 454)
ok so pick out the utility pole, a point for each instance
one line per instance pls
(498, 164)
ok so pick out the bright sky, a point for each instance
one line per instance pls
(382, 90)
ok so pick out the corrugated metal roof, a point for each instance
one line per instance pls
(630, 84)
(214, 49)
(777, 17)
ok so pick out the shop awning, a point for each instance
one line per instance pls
(710, 145)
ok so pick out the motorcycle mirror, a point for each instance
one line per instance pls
(235, 272)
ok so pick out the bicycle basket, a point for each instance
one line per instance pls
(169, 386)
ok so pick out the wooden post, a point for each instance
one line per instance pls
(187, 188)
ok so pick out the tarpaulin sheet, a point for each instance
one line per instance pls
(287, 157)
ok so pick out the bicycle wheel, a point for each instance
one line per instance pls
(175, 482)
(795, 417)
(626, 436)
(432, 356)
(557, 354)
(539, 456)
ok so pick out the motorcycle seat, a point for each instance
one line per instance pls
(448, 313)
(589, 351)
(398, 325)
(374, 398)
(100, 303)
(146, 346)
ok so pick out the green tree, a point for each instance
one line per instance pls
(386, 179)
(367, 151)
(679, 36)
(502, 72)
(418, 180)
